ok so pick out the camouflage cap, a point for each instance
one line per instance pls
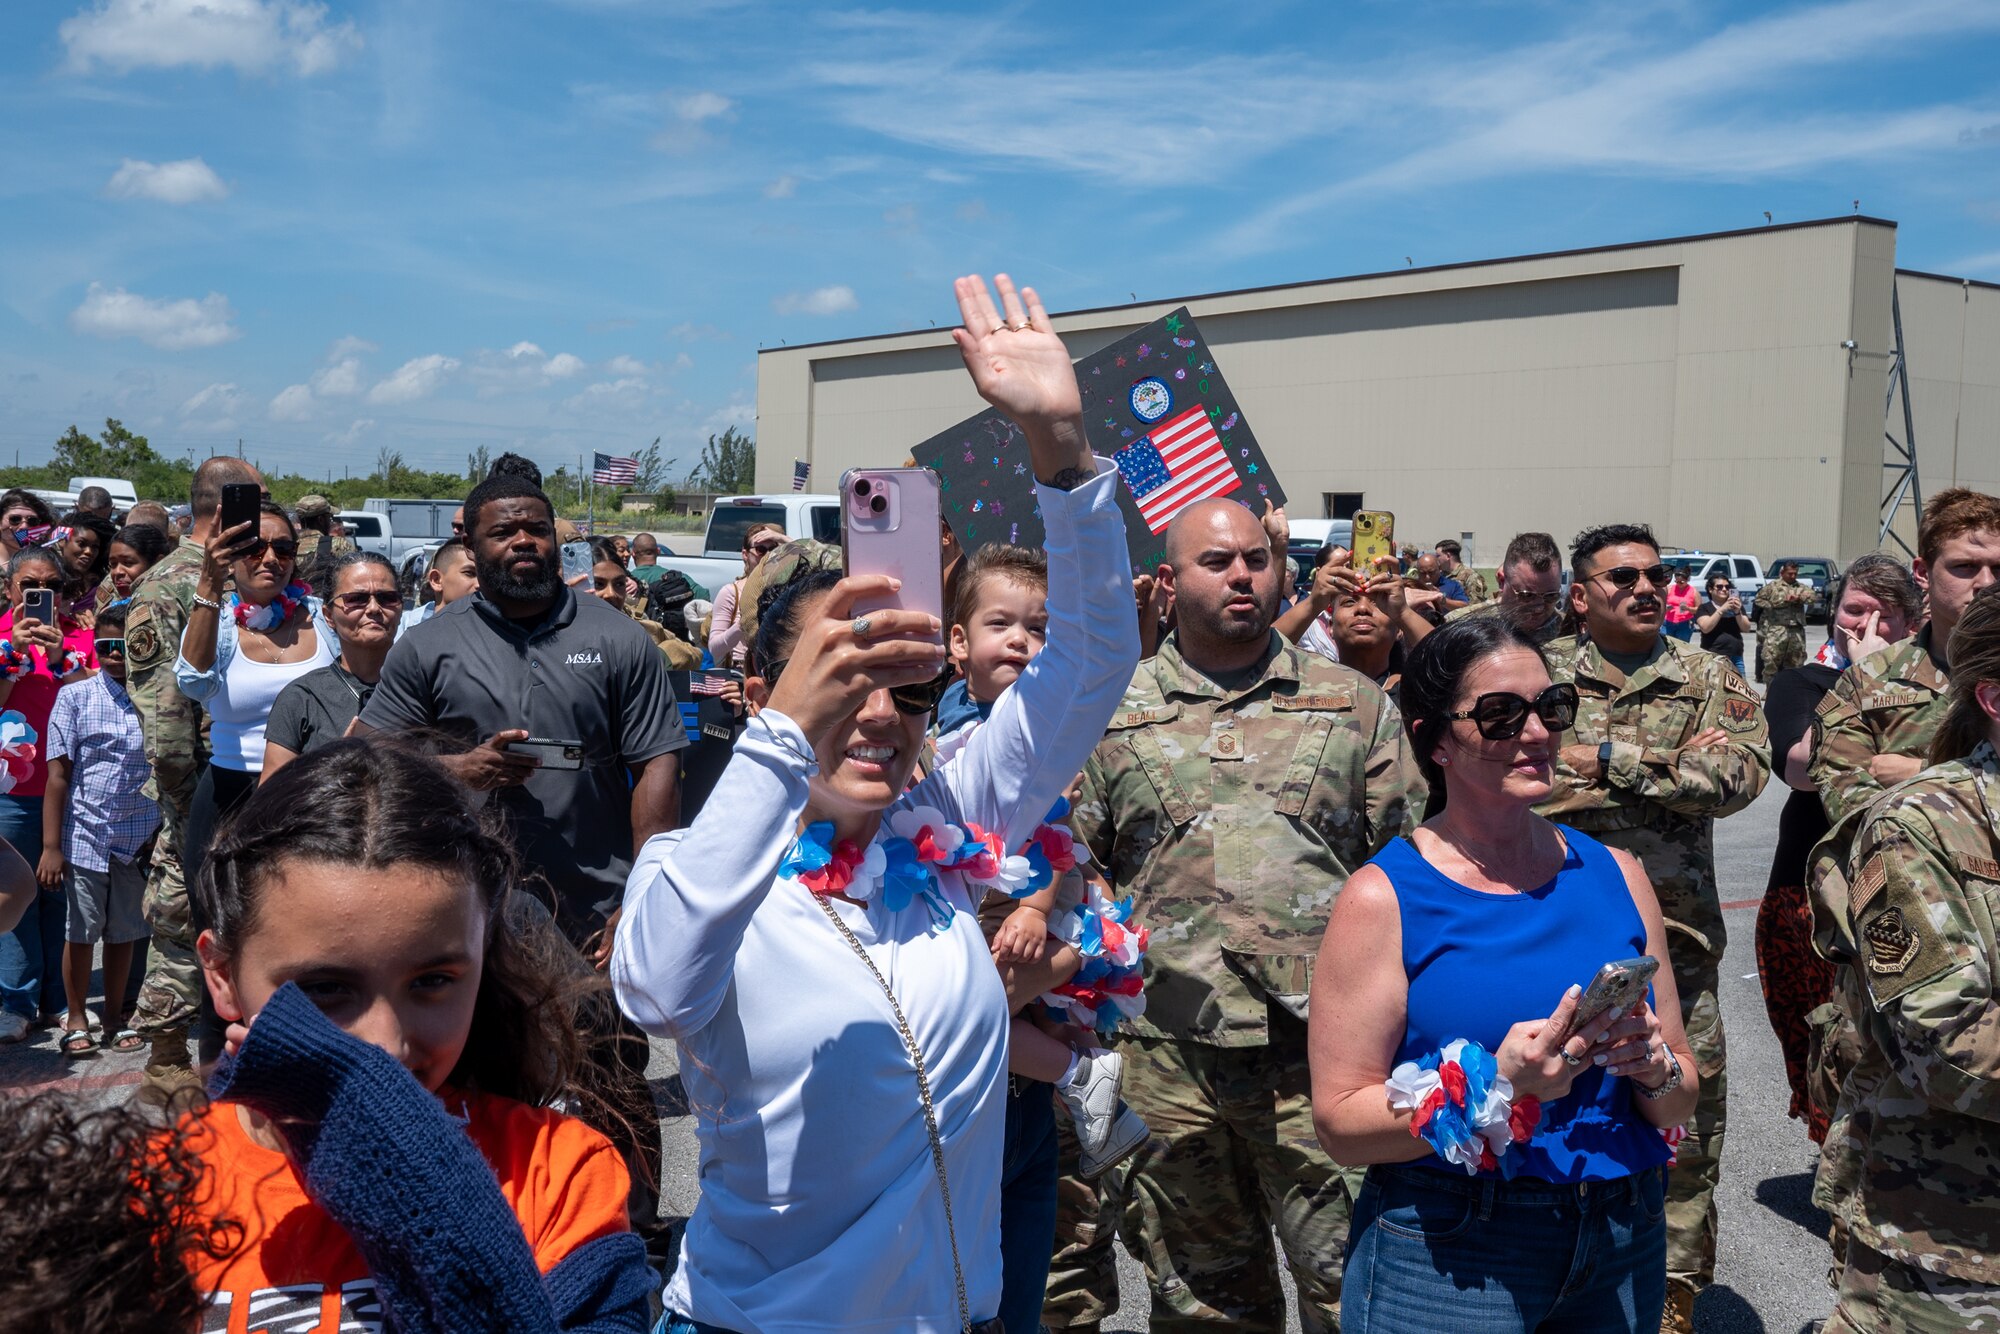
(313, 507)
(788, 562)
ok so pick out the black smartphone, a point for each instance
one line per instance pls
(240, 502)
(551, 754)
(39, 605)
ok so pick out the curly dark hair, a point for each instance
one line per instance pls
(380, 802)
(100, 1213)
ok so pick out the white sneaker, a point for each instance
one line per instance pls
(1104, 1124)
(12, 1027)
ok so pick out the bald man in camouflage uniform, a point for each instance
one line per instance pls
(1667, 739)
(172, 726)
(1240, 784)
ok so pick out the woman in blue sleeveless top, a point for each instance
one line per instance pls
(1482, 928)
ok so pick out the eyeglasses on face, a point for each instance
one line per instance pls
(52, 585)
(21, 518)
(111, 648)
(1628, 576)
(1501, 714)
(358, 599)
(765, 548)
(284, 548)
(912, 700)
(458, 526)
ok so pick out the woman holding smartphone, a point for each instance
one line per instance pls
(239, 651)
(41, 649)
(1510, 1149)
(811, 940)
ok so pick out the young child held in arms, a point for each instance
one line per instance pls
(401, 1022)
(1063, 944)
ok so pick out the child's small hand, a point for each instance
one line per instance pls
(50, 869)
(1023, 938)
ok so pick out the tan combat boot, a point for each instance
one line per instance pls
(170, 1079)
(1679, 1315)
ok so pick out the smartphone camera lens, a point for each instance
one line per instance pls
(862, 486)
(878, 504)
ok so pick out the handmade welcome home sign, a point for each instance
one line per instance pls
(1154, 403)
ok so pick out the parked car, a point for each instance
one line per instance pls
(1820, 573)
(412, 523)
(800, 514)
(1745, 572)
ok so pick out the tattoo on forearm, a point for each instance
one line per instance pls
(1069, 479)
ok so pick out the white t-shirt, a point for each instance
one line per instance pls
(820, 1208)
(238, 711)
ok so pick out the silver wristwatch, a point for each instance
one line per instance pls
(1673, 1078)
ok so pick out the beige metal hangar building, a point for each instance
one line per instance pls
(1729, 389)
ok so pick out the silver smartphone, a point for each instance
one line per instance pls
(39, 605)
(577, 562)
(550, 754)
(1617, 986)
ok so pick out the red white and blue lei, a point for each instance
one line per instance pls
(273, 614)
(17, 750)
(1462, 1106)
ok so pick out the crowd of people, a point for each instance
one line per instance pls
(1361, 919)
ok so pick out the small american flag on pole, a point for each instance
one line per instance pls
(1178, 464)
(613, 470)
(801, 471)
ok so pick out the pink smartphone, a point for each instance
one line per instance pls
(891, 525)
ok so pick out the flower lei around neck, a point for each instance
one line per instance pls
(275, 613)
(902, 866)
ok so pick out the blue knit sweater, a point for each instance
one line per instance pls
(381, 1155)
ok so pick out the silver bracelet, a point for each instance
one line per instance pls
(209, 603)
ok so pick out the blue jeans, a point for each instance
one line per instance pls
(1027, 1203)
(1681, 630)
(1485, 1256)
(31, 954)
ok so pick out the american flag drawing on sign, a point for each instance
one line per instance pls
(612, 470)
(706, 683)
(1178, 464)
(801, 470)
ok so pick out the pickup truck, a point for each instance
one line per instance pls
(800, 514)
(410, 524)
(1744, 571)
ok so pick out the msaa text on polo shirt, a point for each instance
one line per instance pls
(588, 658)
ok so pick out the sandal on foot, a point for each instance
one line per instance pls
(124, 1040)
(77, 1042)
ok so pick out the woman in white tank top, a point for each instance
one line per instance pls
(240, 648)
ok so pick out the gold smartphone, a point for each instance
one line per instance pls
(1374, 538)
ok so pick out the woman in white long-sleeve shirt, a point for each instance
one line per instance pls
(821, 1206)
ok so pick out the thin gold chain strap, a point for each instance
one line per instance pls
(923, 1091)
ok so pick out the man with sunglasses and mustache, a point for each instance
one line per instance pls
(1237, 787)
(177, 750)
(1667, 738)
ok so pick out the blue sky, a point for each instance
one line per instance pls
(565, 225)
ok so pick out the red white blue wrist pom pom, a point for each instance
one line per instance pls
(14, 663)
(17, 750)
(1462, 1106)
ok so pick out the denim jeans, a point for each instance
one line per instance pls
(31, 954)
(1681, 630)
(1027, 1203)
(1483, 1256)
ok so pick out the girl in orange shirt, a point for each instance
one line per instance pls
(400, 1020)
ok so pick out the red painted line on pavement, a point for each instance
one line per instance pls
(1741, 903)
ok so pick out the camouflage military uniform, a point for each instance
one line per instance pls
(1234, 812)
(1890, 703)
(775, 571)
(1658, 800)
(1477, 590)
(172, 725)
(1924, 1219)
(1781, 627)
(318, 567)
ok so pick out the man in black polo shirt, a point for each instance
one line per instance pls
(528, 658)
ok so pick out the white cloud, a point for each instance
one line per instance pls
(360, 427)
(173, 326)
(217, 398)
(698, 107)
(188, 181)
(562, 366)
(414, 379)
(293, 404)
(819, 301)
(340, 380)
(349, 346)
(620, 395)
(525, 349)
(252, 36)
(782, 188)
(624, 365)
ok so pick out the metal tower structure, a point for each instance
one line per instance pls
(1900, 460)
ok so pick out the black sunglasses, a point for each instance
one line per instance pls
(1627, 576)
(361, 597)
(283, 547)
(912, 700)
(1501, 714)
